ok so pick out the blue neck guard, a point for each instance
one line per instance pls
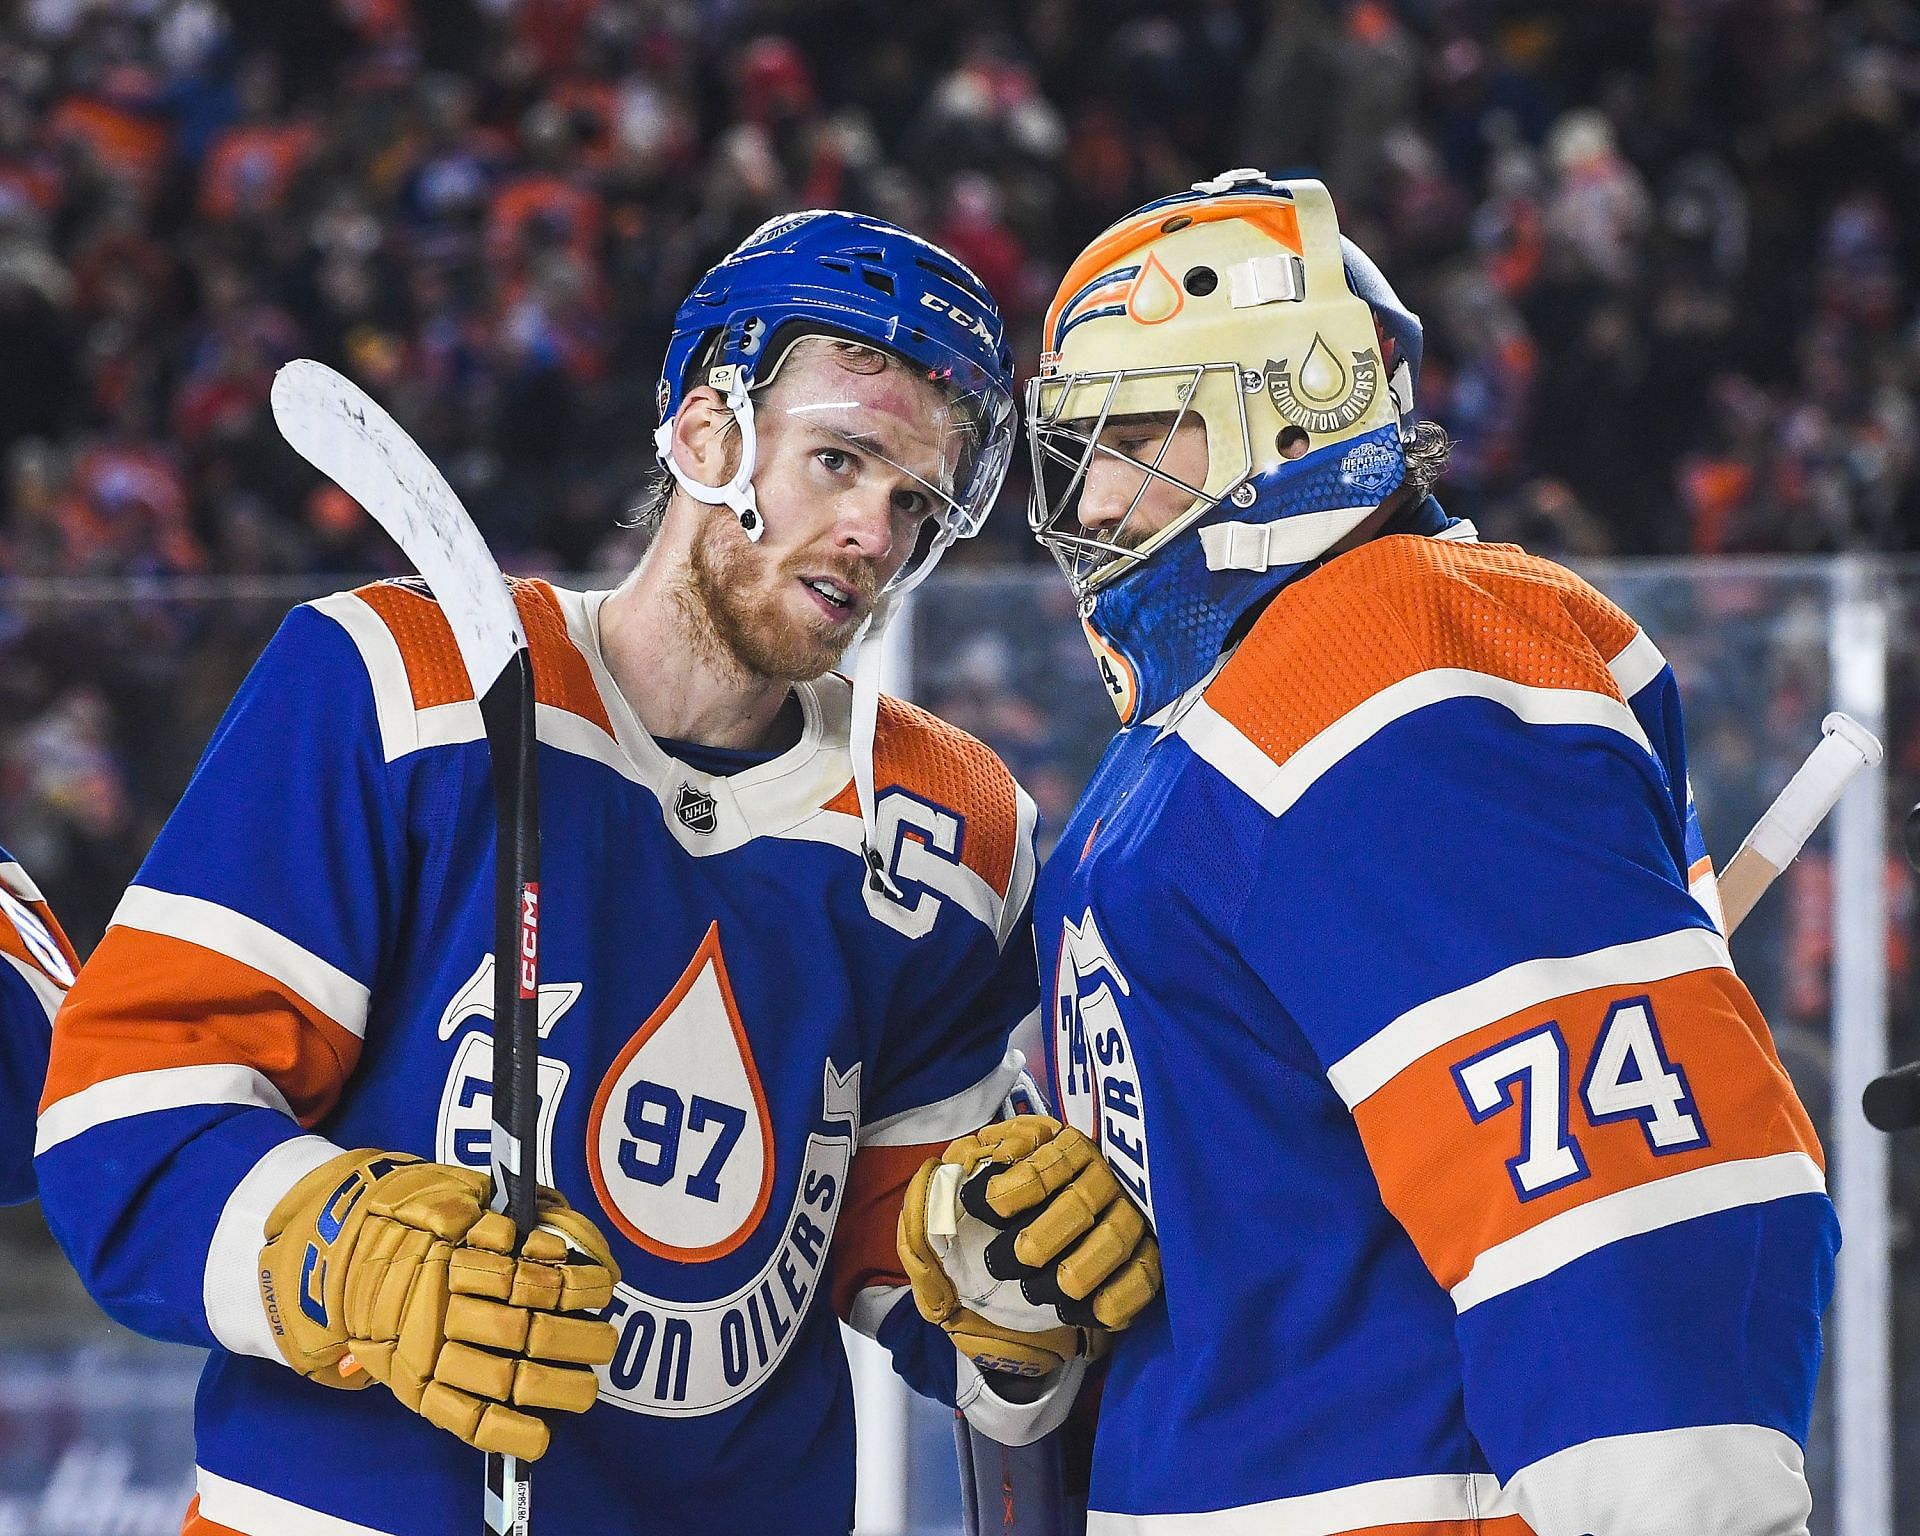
(1159, 630)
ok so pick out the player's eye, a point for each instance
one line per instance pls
(834, 460)
(912, 504)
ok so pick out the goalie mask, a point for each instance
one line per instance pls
(1224, 395)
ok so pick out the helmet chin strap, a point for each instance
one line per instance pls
(737, 493)
(866, 716)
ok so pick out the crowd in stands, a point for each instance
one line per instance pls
(1665, 250)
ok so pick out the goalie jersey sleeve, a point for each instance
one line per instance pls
(36, 968)
(225, 1007)
(1472, 899)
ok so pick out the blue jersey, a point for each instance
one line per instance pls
(36, 968)
(1385, 967)
(746, 1048)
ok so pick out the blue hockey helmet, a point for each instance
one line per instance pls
(1253, 372)
(861, 279)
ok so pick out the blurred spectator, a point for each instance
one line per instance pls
(1328, 87)
(251, 167)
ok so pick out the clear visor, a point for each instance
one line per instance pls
(943, 448)
(1123, 461)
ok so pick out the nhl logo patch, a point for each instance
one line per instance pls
(696, 809)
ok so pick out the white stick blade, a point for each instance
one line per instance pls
(345, 434)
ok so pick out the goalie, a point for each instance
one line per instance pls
(1382, 957)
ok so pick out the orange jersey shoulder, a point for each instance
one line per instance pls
(920, 753)
(1403, 605)
(437, 675)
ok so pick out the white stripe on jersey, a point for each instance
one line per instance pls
(1276, 786)
(38, 938)
(255, 1513)
(1375, 1062)
(386, 670)
(449, 725)
(955, 1115)
(143, 1093)
(1025, 866)
(47, 992)
(17, 880)
(323, 986)
(1711, 1480)
(1638, 664)
(1559, 1240)
(1706, 890)
(1358, 1507)
(230, 1286)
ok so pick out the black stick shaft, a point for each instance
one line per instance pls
(507, 711)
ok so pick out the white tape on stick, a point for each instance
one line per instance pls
(1845, 748)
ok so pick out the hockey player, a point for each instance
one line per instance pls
(39, 969)
(1381, 954)
(784, 941)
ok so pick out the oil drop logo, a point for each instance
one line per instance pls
(1154, 297)
(1322, 394)
(680, 1144)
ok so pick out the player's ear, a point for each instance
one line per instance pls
(706, 438)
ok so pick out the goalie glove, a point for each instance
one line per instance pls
(380, 1267)
(1020, 1243)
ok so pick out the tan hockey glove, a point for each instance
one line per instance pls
(381, 1267)
(1020, 1243)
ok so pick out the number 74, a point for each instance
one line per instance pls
(1628, 1077)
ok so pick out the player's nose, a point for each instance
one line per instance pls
(1104, 496)
(863, 522)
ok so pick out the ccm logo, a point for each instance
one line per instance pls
(960, 317)
(529, 940)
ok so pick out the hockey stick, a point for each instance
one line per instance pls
(341, 432)
(1846, 746)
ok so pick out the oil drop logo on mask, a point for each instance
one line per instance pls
(1323, 395)
(1154, 297)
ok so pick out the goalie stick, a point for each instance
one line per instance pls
(338, 429)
